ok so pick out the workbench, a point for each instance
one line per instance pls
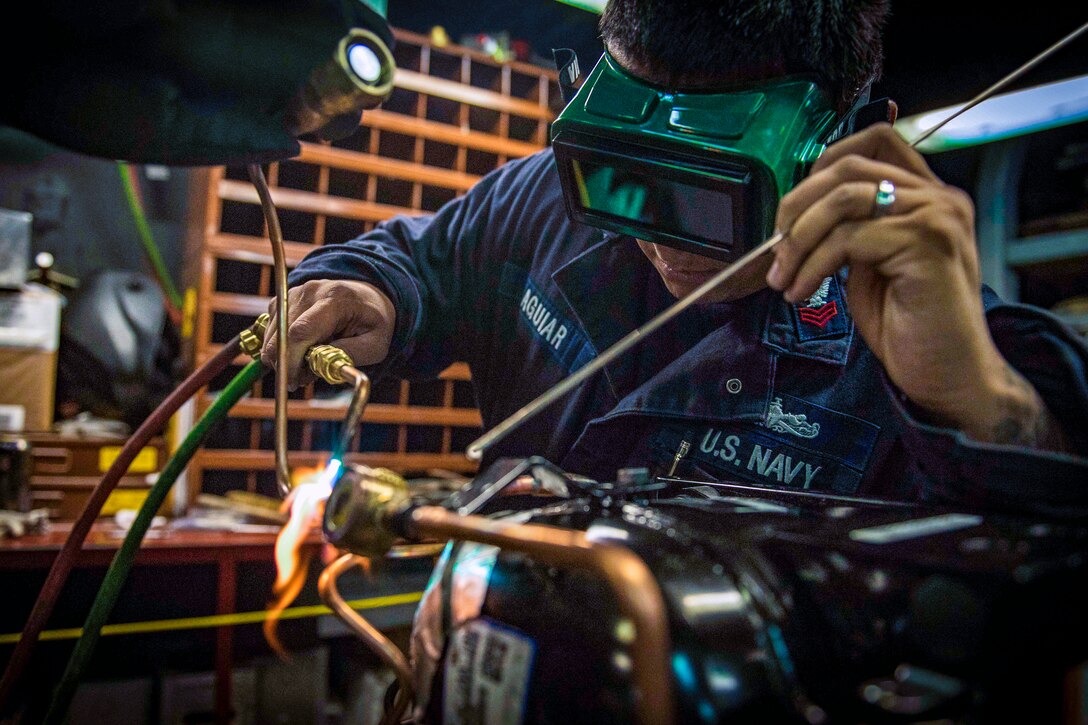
(172, 554)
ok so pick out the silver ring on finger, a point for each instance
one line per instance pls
(885, 197)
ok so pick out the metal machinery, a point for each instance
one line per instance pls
(561, 600)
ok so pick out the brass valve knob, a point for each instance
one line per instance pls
(327, 362)
(252, 338)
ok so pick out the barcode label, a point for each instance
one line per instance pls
(487, 674)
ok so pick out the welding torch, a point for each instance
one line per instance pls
(332, 365)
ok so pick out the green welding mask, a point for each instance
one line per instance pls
(701, 171)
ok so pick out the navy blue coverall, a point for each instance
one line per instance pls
(763, 391)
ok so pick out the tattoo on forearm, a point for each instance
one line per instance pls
(1030, 424)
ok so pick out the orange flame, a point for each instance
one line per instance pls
(306, 504)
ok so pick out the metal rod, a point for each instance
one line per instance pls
(639, 597)
(476, 449)
(279, 258)
(378, 642)
(1003, 82)
(359, 397)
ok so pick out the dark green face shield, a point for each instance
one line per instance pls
(699, 171)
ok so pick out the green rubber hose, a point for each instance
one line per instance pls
(143, 232)
(115, 577)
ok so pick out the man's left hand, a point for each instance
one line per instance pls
(913, 283)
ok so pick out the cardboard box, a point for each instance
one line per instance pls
(29, 338)
(29, 384)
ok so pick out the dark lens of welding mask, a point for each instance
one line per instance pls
(666, 198)
(702, 172)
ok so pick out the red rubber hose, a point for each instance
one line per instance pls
(62, 565)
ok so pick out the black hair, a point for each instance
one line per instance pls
(838, 41)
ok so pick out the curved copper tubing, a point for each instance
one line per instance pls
(379, 643)
(279, 259)
(636, 590)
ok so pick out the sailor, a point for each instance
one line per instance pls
(863, 356)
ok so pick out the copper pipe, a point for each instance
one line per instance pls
(636, 590)
(279, 258)
(378, 642)
(359, 397)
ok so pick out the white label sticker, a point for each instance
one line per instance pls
(916, 528)
(12, 417)
(30, 319)
(487, 674)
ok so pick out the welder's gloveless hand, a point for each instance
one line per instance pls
(354, 316)
(913, 281)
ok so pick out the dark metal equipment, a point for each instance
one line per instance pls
(195, 82)
(781, 606)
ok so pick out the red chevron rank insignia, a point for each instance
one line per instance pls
(818, 316)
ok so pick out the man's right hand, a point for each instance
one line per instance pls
(354, 316)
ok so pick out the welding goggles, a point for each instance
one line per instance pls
(701, 171)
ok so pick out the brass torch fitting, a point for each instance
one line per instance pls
(328, 362)
(358, 510)
(252, 338)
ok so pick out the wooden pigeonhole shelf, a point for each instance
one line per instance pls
(455, 115)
